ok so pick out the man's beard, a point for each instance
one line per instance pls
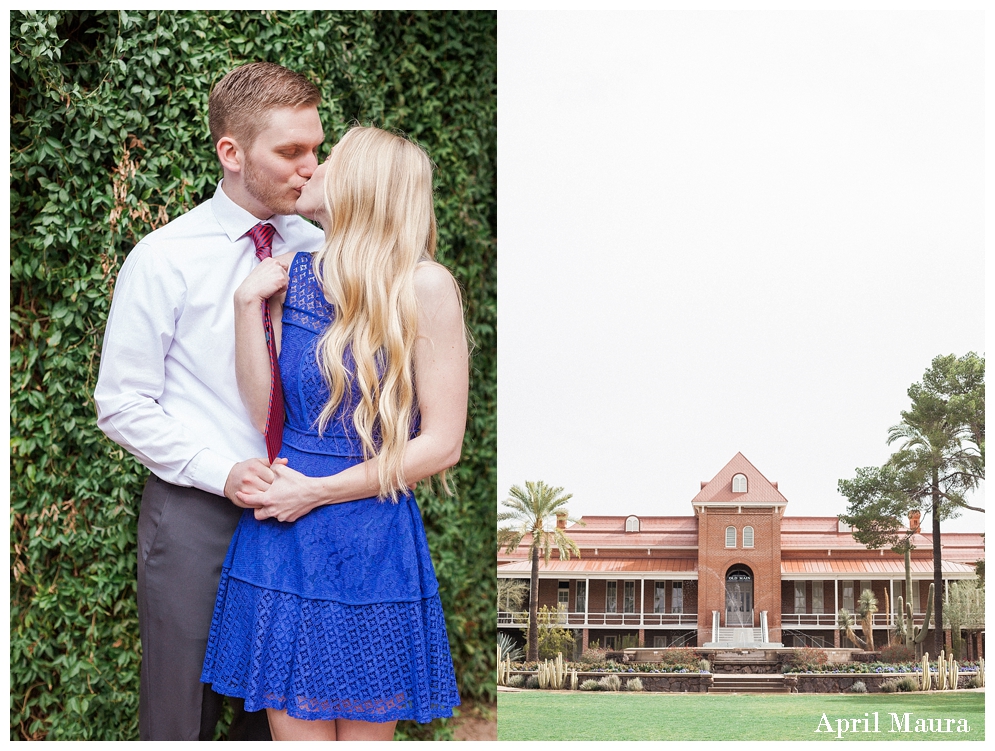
(271, 196)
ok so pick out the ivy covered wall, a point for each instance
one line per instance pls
(109, 140)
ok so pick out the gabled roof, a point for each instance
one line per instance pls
(758, 488)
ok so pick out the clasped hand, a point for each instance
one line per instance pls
(273, 491)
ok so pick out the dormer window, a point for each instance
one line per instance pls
(632, 524)
(739, 483)
(730, 537)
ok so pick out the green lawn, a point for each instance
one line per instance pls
(546, 715)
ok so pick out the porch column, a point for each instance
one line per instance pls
(642, 637)
(583, 640)
(642, 608)
(894, 605)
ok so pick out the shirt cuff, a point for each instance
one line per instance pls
(209, 471)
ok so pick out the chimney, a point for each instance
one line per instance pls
(561, 519)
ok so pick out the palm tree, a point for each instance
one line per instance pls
(534, 512)
(845, 623)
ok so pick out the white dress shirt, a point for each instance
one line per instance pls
(166, 390)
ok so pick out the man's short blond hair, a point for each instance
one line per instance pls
(239, 102)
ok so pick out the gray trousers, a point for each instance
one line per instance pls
(183, 537)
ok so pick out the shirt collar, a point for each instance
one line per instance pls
(236, 221)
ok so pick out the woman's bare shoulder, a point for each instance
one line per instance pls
(434, 282)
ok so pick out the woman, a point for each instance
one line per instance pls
(333, 622)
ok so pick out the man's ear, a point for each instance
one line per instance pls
(229, 154)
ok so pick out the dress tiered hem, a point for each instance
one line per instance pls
(324, 660)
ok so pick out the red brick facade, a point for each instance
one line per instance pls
(661, 580)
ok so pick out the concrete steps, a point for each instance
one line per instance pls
(759, 683)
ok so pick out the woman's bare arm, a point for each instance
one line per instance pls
(268, 281)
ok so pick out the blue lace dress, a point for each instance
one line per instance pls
(336, 615)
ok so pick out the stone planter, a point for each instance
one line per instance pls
(838, 683)
(674, 683)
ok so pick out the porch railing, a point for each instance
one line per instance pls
(582, 620)
(828, 620)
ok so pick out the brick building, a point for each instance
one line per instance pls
(738, 571)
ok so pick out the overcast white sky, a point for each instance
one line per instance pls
(730, 231)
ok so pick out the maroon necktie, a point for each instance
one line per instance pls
(262, 236)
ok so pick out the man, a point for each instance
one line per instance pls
(167, 391)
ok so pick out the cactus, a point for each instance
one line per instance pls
(573, 680)
(910, 634)
(981, 670)
(941, 672)
(552, 674)
(926, 681)
(502, 670)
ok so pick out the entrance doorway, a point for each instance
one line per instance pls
(739, 597)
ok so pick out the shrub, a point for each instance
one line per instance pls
(889, 687)
(859, 687)
(681, 656)
(703, 666)
(516, 681)
(611, 683)
(532, 681)
(634, 684)
(808, 657)
(907, 684)
(897, 653)
(593, 656)
(590, 685)
(553, 639)
(974, 682)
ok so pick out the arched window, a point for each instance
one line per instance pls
(747, 537)
(730, 537)
(632, 524)
(739, 483)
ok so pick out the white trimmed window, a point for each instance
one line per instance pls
(799, 597)
(563, 596)
(677, 598)
(847, 595)
(632, 524)
(581, 599)
(660, 597)
(611, 597)
(818, 603)
(659, 640)
(629, 598)
(747, 537)
(730, 537)
(739, 483)
(610, 641)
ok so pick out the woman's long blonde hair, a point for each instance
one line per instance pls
(378, 197)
